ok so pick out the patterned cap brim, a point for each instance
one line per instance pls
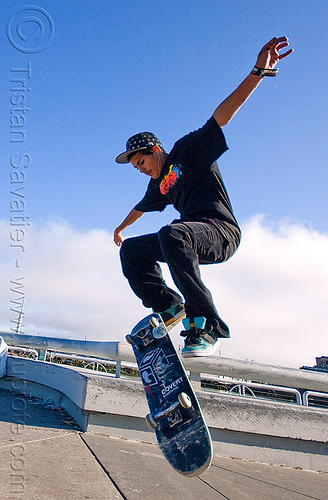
(123, 157)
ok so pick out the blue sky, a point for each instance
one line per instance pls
(116, 68)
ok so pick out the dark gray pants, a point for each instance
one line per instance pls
(183, 246)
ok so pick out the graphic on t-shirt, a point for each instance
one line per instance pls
(170, 178)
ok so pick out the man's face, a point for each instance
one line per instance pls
(147, 164)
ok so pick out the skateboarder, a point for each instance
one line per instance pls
(207, 232)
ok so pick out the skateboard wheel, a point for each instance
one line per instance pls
(150, 421)
(129, 339)
(154, 322)
(184, 400)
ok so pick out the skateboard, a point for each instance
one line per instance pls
(175, 415)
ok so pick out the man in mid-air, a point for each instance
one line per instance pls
(207, 232)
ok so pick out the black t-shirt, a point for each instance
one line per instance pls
(191, 181)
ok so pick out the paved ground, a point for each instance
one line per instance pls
(45, 457)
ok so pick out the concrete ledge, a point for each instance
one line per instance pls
(248, 428)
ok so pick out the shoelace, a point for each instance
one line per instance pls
(193, 336)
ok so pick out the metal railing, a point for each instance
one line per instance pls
(242, 389)
(26, 351)
(254, 375)
(313, 394)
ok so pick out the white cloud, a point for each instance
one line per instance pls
(272, 293)
(74, 285)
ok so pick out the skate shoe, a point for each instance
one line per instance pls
(200, 339)
(173, 315)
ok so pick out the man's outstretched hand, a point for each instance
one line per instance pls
(269, 54)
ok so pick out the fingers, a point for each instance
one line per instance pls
(282, 45)
(278, 43)
(281, 56)
(282, 39)
(277, 40)
(274, 45)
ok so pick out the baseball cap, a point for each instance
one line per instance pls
(138, 142)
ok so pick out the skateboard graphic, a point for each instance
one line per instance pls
(181, 431)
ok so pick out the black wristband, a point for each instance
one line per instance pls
(264, 72)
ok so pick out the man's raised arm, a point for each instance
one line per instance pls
(266, 60)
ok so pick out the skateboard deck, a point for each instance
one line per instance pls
(181, 431)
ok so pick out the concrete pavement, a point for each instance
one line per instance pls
(44, 456)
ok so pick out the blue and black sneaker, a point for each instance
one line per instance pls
(200, 338)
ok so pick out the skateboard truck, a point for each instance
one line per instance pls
(147, 335)
(172, 413)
